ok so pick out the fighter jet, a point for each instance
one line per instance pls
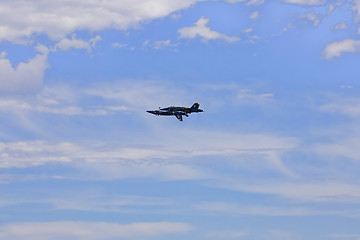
(178, 112)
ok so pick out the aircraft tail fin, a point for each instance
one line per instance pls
(195, 106)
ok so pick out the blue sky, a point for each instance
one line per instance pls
(275, 155)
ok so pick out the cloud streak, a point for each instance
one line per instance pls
(314, 191)
(306, 2)
(91, 230)
(168, 159)
(239, 210)
(347, 106)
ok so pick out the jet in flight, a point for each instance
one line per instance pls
(178, 112)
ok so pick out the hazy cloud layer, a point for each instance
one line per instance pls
(305, 191)
(168, 160)
(346, 106)
(225, 208)
(90, 230)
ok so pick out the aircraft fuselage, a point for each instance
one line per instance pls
(178, 112)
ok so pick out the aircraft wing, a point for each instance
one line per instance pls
(178, 116)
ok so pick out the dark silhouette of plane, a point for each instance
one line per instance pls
(178, 112)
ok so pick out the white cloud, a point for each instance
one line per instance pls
(336, 49)
(281, 234)
(312, 17)
(25, 76)
(255, 2)
(306, 2)
(66, 43)
(57, 99)
(90, 230)
(85, 201)
(59, 18)
(202, 30)
(21, 154)
(248, 30)
(356, 8)
(140, 94)
(250, 2)
(89, 199)
(118, 45)
(94, 162)
(316, 191)
(330, 9)
(240, 210)
(250, 96)
(349, 106)
(228, 234)
(161, 44)
(340, 26)
(168, 160)
(333, 6)
(35, 153)
(346, 86)
(254, 15)
(347, 147)
(234, 1)
(28, 76)
(48, 106)
(288, 27)
(344, 236)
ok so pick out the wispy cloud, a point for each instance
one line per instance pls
(312, 17)
(139, 94)
(66, 43)
(250, 95)
(239, 210)
(306, 2)
(91, 230)
(343, 147)
(227, 234)
(347, 106)
(356, 8)
(255, 15)
(255, 2)
(305, 191)
(93, 201)
(333, 6)
(57, 99)
(168, 159)
(202, 30)
(249, 2)
(340, 26)
(160, 44)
